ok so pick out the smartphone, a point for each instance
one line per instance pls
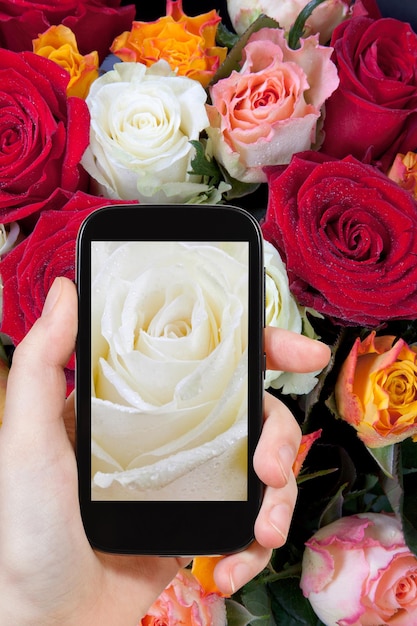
(169, 378)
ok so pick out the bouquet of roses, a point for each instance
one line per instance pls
(306, 114)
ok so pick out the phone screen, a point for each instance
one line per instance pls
(169, 378)
(169, 370)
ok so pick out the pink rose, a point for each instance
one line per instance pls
(269, 110)
(185, 602)
(358, 571)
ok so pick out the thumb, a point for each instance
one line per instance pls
(36, 386)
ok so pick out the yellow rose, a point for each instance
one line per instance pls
(188, 44)
(376, 391)
(58, 44)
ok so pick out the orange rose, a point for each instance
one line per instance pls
(186, 43)
(58, 44)
(376, 391)
(404, 172)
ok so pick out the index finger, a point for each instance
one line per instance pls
(291, 352)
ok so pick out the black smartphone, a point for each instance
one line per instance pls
(169, 378)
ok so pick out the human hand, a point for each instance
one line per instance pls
(49, 573)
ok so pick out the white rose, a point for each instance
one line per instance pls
(323, 19)
(169, 414)
(281, 311)
(142, 121)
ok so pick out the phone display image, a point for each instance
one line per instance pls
(169, 378)
(169, 361)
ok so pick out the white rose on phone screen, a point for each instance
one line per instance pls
(169, 370)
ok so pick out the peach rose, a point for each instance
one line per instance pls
(185, 602)
(188, 44)
(58, 43)
(269, 110)
(404, 172)
(376, 390)
(358, 571)
(323, 19)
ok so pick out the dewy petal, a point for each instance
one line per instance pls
(190, 469)
(166, 352)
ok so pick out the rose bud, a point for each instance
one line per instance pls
(404, 172)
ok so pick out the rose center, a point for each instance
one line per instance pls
(173, 320)
(406, 590)
(361, 241)
(265, 98)
(8, 139)
(401, 384)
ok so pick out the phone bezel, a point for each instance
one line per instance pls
(169, 528)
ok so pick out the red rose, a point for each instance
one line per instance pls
(373, 113)
(43, 134)
(95, 23)
(348, 237)
(28, 271)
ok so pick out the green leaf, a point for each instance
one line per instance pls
(305, 476)
(256, 599)
(202, 166)
(390, 480)
(289, 605)
(334, 508)
(232, 61)
(225, 38)
(297, 29)
(239, 189)
(237, 614)
(386, 458)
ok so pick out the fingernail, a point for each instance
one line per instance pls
(279, 518)
(52, 297)
(239, 576)
(286, 459)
